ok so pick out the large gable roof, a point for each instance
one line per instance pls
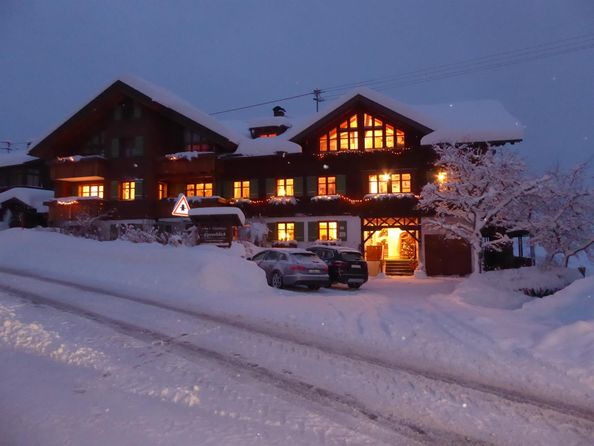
(148, 93)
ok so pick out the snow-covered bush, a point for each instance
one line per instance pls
(255, 231)
(84, 226)
(480, 187)
(140, 234)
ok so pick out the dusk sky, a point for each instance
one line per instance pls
(56, 55)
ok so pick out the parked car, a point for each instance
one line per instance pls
(291, 267)
(345, 265)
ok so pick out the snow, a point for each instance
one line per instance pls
(267, 147)
(73, 199)
(78, 158)
(218, 210)
(436, 324)
(14, 158)
(389, 196)
(186, 155)
(30, 196)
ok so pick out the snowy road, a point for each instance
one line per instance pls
(372, 401)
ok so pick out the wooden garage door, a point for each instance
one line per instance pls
(444, 257)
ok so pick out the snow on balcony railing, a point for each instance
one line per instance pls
(188, 156)
(389, 196)
(282, 200)
(326, 197)
(77, 158)
(65, 201)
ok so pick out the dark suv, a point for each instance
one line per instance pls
(345, 265)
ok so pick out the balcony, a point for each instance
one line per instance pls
(79, 168)
(70, 208)
(187, 164)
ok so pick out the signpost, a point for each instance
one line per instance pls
(181, 208)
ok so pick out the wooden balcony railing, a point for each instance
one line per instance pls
(70, 208)
(91, 167)
(200, 165)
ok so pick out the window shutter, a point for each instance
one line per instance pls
(299, 236)
(298, 186)
(341, 184)
(342, 230)
(254, 193)
(115, 148)
(271, 231)
(227, 189)
(137, 111)
(138, 189)
(311, 186)
(139, 146)
(117, 113)
(74, 190)
(270, 187)
(114, 190)
(312, 231)
(217, 188)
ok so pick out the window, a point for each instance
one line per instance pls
(285, 231)
(284, 187)
(128, 190)
(90, 190)
(199, 190)
(326, 185)
(395, 183)
(161, 190)
(346, 137)
(267, 135)
(328, 230)
(400, 183)
(241, 189)
(195, 142)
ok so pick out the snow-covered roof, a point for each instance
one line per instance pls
(266, 146)
(14, 158)
(474, 121)
(30, 196)
(269, 121)
(218, 210)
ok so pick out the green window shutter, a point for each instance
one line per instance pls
(137, 111)
(341, 184)
(138, 189)
(298, 186)
(117, 113)
(342, 230)
(74, 190)
(115, 148)
(312, 231)
(254, 193)
(270, 187)
(271, 231)
(299, 236)
(176, 189)
(227, 189)
(311, 186)
(217, 188)
(114, 190)
(138, 146)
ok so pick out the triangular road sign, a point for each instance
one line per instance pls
(181, 208)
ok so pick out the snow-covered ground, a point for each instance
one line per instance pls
(478, 329)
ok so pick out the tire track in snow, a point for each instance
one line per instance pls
(511, 395)
(384, 428)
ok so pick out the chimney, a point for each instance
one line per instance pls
(278, 111)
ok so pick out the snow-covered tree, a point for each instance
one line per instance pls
(560, 217)
(475, 189)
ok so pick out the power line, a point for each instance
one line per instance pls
(262, 103)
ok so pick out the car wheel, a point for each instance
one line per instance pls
(277, 280)
(355, 286)
(313, 287)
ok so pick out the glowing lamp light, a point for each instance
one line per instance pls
(442, 176)
(385, 177)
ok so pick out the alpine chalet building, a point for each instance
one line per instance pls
(351, 173)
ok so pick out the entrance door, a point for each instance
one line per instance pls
(390, 243)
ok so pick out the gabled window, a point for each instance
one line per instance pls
(241, 189)
(379, 135)
(326, 185)
(199, 190)
(90, 190)
(285, 231)
(345, 137)
(285, 187)
(328, 230)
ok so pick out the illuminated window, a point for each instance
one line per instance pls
(241, 189)
(346, 137)
(400, 183)
(328, 230)
(90, 190)
(162, 190)
(284, 187)
(267, 135)
(378, 184)
(285, 231)
(128, 190)
(199, 190)
(326, 185)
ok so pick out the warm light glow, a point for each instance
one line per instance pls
(67, 203)
(241, 189)
(199, 190)
(128, 190)
(328, 230)
(285, 231)
(162, 190)
(326, 185)
(385, 177)
(267, 135)
(284, 187)
(90, 190)
(442, 176)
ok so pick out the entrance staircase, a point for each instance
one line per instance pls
(400, 267)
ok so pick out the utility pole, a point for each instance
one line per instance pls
(318, 98)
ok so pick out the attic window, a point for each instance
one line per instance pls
(267, 135)
(345, 137)
(379, 135)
